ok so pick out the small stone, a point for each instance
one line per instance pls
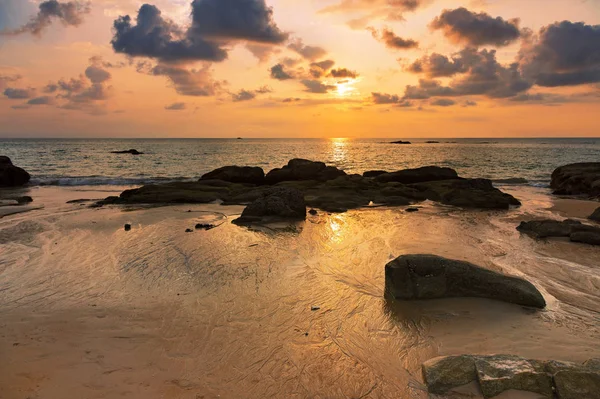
(189, 231)
(24, 200)
(314, 308)
(412, 209)
(127, 227)
(313, 212)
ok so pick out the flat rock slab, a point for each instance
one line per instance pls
(572, 229)
(444, 373)
(418, 277)
(577, 384)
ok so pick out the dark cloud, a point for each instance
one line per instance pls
(563, 54)
(476, 29)
(469, 103)
(385, 99)
(291, 100)
(68, 13)
(343, 73)
(279, 72)
(190, 82)
(391, 40)
(437, 65)
(247, 95)
(97, 75)
(310, 53)
(540, 98)
(319, 69)
(44, 100)
(443, 102)
(176, 107)
(19, 94)
(250, 20)
(6, 79)
(315, 86)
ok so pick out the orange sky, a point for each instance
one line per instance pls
(127, 95)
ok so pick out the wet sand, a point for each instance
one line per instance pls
(573, 208)
(88, 310)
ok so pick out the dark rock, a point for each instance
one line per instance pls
(467, 193)
(79, 201)
(237, 174)
(595, 216)
(593, 364)
(573, 229)
(586, 237)
(24, 200)
(127, 227)
(511, 180)
(419, 175)
(277, 203)
(189, 230)
(417, 277)
(10, 175)
(412, 209)
(374, 173)
(577, 384)
(432, 142)
(313, 212)
(302, 169)
(577, 179)
(132, 152)
(201, 226)
(444, 373)
(401, 142)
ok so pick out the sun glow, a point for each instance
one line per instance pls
(345, 88)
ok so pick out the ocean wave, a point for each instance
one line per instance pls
(73, 181)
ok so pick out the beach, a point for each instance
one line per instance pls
(291, 310)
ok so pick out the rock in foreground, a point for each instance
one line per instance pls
(277, 203)
(577, 179)
(11, 175)
(419, 277)
(500, 373)
(572, 229)
(237, 174)
(595, 216)
(302, 170)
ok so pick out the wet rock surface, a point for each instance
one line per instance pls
(572, 229)
(326, 188)
(277, 203)
(11, 175)
(421, 277)
(497, 374)
(577, 179)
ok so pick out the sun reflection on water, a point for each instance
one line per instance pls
(339, 151)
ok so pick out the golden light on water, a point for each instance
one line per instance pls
(339, 150)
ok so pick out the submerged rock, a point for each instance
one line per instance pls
(237, 174)
(418, 277)
(577, 179)
(11, 175)
(573, 229)
(132, 152)
(595, 216)
(302, 169)
(277, 203)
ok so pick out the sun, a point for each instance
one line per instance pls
(345, 88)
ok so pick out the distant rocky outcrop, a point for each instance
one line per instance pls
(497, 374)
(276, 203)
(400, 142)
(11, 175)
(432, 142)
(595, 216)
(132, 152)
(577, 179)
(572, 229)
(302, 170)
(237, 174)
(419, 277)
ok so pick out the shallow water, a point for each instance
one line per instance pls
(86, 162)
(89, 310)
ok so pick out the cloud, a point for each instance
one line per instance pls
(291, 100)
(279, 72)
(6, 79)
(44, 100)
(443, 102)
(437, 65)
(68, 13)
(247, 95)
(190, 82)
(391, 40)
(310, 53)
(261, 51)
(19, 94)
(315, 86)
(364, 11)
(384, 99)
(563, 54)
(176, 107)
(319, 69)
(343, 73)
(476, 29)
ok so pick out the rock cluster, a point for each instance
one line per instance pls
(11, 175)
(572, 229)
(500, 373)
(577, 179)
(419, 277)
(277, 203)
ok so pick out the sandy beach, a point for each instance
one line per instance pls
(92, 311)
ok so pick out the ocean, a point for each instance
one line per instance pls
(83, 162)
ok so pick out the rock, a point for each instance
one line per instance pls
(419, 175)
(302, 169)
(127, 227)
(593, 364)
(595, 216)
(418, 277)
(237, 174)
(201, 226)
(277, 203)
(577, 384)
(313, 212)
(445, 373)
(410, 210)
(374, 173)
(11, 175)
(574, 230)
(24, 200)
(400, 142)
(132, 152)
(432, 142)
(189, 230)
(577, 179)
(501, 373)
(467, 193)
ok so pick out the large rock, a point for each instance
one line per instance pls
(417, 277)
(577, 384)
(276, 203)
(419, 175)
(595, 216)
(131, 152)
(445, 373)
(237, 174)
(467, 193)
(577, 179)
(501, 373)
(302, 169)
(10, 175)
(573, 229)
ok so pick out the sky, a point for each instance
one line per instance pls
(300, 68)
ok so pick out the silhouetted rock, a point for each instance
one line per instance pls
(400, 142)
(374, 173)
(432, 142)
(277, 203)
(586, 237)
(573, 229)
(237, 174)
(127, 227)
(419, 175)
(302, 169)
(132, 152)
(417, 277)
(10, 175)
(595, 216)
(24, 200)
(313, 212)
(410, 210)
(577, 179)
